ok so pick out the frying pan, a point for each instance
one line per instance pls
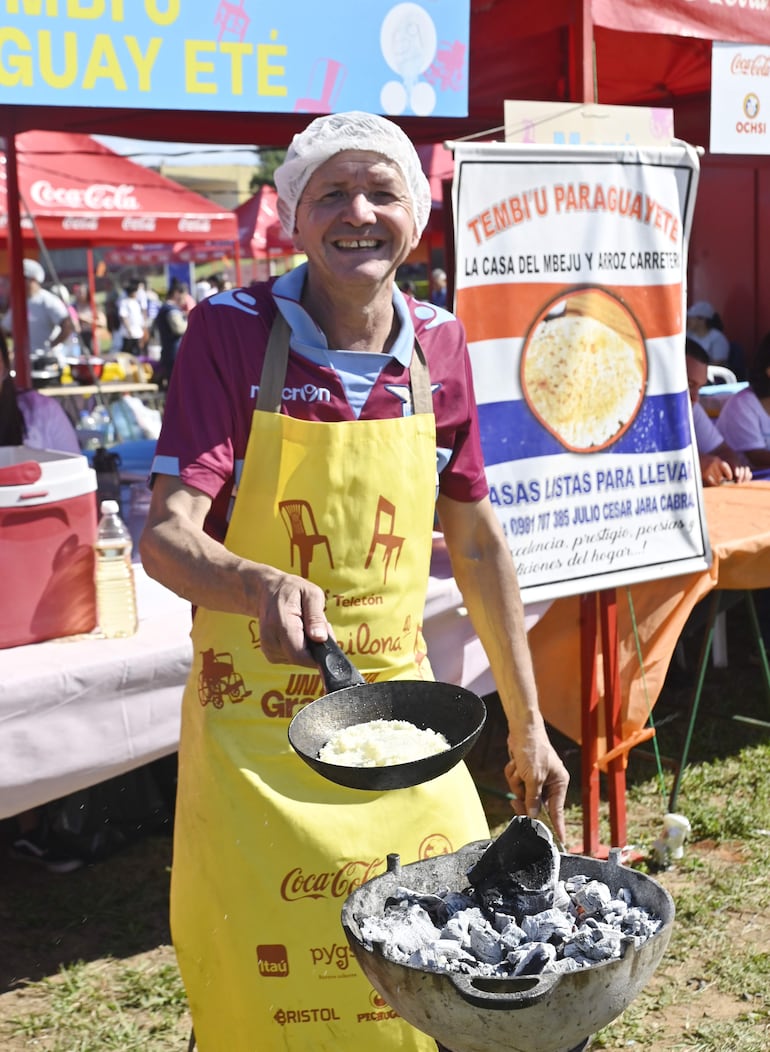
(452, 711)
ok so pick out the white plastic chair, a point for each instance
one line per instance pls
(720, 374)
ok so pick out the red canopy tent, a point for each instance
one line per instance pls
(610, 51)
(259, 228)
(438, 164)
(262, 238)
(74, 191)
(70, 190)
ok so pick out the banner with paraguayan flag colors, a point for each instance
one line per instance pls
(570, 282)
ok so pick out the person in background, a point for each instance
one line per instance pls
(219, 283)
(48, 318)
(329, 397)
(705, 327)
(30, 418)
(86, 318)
(151, 304)
(438, 292)
(112, 312)
(745, 423)
(745, 417)
(203, 290)
(718, 461)
(170, 325)
(132, 320)
(190, 300)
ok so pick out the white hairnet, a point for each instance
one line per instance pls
(326, 136)
(34, 271)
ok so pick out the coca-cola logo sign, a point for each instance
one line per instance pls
(99, 197)
(190, 225)
(750, 65)
(80, 223)
(144, 224)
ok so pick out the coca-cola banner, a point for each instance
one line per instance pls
(570, 280)
(238, 55)
(740, 98)
(76, 191)
(740, 20)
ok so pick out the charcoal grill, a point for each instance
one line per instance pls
(551, 1012)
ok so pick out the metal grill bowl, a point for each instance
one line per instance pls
(547, 1013)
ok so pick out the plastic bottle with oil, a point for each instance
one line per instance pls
(115, 588)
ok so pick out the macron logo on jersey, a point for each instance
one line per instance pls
(306, 393)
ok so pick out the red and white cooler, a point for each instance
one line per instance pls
(47, 534)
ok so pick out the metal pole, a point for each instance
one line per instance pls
(21, 348)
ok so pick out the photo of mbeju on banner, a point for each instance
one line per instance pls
(570, 281)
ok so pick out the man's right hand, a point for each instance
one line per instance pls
(290, 609)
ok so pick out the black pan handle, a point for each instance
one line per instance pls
(335, 668)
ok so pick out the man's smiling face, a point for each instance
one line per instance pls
(355, 220)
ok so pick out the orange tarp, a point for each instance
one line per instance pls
(738, 519)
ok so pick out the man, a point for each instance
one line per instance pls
(718, 461)
(132, 319)
(85, 312)
(170, 325)
(438, 287)
(297, 410)
(48, 321)
(705, 327)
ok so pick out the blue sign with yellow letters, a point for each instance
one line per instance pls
(248, 56)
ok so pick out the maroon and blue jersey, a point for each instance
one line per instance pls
(213, 390)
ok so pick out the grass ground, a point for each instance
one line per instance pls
(86, 963)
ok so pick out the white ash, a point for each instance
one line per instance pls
(449, 932)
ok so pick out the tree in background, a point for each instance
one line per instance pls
(268, 162)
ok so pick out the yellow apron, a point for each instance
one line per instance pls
(266, 851)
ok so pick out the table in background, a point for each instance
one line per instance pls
(713, 396)
(80, 710)
(76, 712)
(650, 618)
(73, 397)
(738, 521)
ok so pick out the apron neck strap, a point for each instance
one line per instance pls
(277, 357)
(274, 368)
(419, 376)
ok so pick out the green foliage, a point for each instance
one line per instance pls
(722, 899)
(269, 160)
(89, 954)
